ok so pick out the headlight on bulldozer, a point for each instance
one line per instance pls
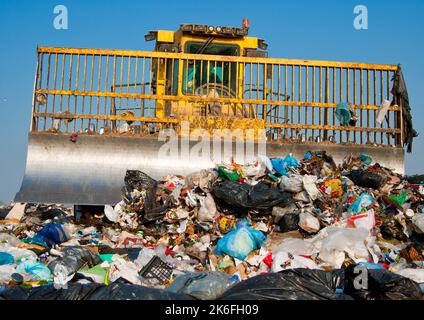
(186, 27)
(200, 27)
(228, 30)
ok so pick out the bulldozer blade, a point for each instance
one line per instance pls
(91, 171)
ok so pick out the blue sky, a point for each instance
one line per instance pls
(320, 30)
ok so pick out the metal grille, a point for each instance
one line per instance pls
(96, 91)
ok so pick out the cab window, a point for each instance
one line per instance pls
(200, 77)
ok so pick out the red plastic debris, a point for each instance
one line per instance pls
(268, 260)
(74, 137)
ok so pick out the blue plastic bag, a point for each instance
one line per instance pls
(291, 161)
(50, 235)
(371, 266)
(308, 155)
(364, 201)
(6, 258)
(280, 165)
(36, 268)
(343, 113)
(241, 241)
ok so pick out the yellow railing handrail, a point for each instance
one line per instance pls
(177, 121)
(205, 99)
(276, 61)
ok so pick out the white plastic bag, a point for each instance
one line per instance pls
(19, 254)
(294, 183)
(201, 179)
(341, 241)
(302, 196)
(286, 260)
(111, 214)
(418, 221)
(416, 275)
(308, 222)
(6, 272)
(207, 210)
(310, 187)
(266, 163)
(382, 111)
(365, 221)
(253, 170)
(279, 212)
(296, 246)
(127, 270)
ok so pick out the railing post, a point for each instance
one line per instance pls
(326, 99)
(34, 125)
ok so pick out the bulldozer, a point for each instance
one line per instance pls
(97, 113)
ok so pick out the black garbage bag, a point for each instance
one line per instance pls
(366, 179)
(293, 284)
(239, 195)
(401, 98)
(289, 222)
(135, 179)
(91, 291)
(74, 258)
(381, 284)
(47, 212)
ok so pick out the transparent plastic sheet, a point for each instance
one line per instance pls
(36, 269)
(201, 285)
(74, 258)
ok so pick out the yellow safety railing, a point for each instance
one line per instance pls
(98, 91)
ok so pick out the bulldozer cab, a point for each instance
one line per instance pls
(203, 78)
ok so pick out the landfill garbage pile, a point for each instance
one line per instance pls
(281, 228)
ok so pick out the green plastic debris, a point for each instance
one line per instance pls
(227, 174)
(403, 196)
(97, 273)
(273, 177)
(106, 257)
